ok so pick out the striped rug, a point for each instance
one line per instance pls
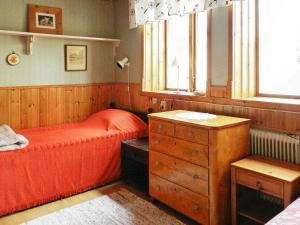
(119, 208)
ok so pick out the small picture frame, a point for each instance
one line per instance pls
(43, 19)
(75, 58)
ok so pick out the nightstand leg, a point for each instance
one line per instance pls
(233, 198)
(288, 192)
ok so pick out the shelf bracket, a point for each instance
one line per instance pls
(115, 46)
(29, 49)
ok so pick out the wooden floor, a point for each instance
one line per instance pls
(27, 215)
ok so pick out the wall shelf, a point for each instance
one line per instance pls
(31, 36)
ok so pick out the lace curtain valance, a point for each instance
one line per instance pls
(145, 11)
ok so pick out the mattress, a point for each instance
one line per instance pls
(289, 216)
(64, 160)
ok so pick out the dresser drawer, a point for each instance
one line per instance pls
(198, 135)
(192, 152)
(188, 175)
(161, 143)
(191, 204)
(161, 127)
(261, 183)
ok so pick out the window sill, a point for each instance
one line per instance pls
(184, 94)
(292, 105)
(287, 101)
(179, 94)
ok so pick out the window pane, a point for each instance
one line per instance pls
(178, 46)
(201, 51)
(279, 47)
(154, 56)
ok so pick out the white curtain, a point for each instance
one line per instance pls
(145, 11)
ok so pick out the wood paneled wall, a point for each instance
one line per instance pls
(27, 107)
(264, 116)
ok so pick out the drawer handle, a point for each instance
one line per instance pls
(259, 186)
(157, 141)
(190, 134)
(196, 177)
(195, 152)
(160, 126)
(195, 207)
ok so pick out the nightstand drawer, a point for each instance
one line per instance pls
(193, 205)
(180, 172)
(198, 135)
(162, 127)
(260, 183)
(161, 143)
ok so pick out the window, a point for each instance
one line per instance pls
(266, 48)
(182, 38)
(178, 45)
(279, 47)
(201, 51)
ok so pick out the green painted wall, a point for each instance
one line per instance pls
(46, 65)
(131, 44)
(80, 17)
(219, 47)
(98, 18)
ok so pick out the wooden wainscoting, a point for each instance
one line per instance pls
(218, 92)
(120, 96)
(26, 107)
(38, 106)
(276, 120)
(277, 117)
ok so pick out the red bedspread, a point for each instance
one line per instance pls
(64, 160)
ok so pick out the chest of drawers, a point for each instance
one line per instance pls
(189, 162)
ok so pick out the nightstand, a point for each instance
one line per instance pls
(135, 163)
(261, 188)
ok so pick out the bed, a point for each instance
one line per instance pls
(64, 160)
(289, 216)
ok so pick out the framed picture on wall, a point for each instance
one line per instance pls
(43, 19)
(75, 57)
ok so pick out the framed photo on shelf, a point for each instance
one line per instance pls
(43, 19)
(75, 58)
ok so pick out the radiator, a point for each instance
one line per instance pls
(275, 145)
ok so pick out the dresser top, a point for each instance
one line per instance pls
(273, 168)
(200, 119)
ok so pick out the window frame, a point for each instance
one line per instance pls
(192, 58)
